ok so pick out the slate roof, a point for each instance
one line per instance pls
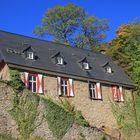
(45, 50)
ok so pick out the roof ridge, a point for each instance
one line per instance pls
(64, 45)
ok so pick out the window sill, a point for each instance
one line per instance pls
(119, 101)
(65, 96)
(96, 99)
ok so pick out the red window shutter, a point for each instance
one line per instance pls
(98, 91)
(71, 88)
(121, 97)
(115, 93)
(59, 85)
(39, 83)
(26, 79)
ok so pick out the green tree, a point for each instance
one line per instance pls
(71, 25)
(92, 32)
(125, 50)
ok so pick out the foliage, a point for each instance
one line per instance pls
(125, 116)
(15, 81)
(59, 120)
(67, 106)
(34, 138)
(6, 137)
(78, 117)
(125, 50)
(80, 120)
(104, 138)
(25, 112)
(71, 25)
(138, 110)
(92, 33)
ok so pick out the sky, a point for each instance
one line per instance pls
(22, 16)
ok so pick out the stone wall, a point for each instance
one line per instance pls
(4, 71)
(96, 112)
(9, 126)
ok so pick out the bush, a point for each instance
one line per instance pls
(59, 121)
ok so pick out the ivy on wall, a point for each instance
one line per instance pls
(25, 113)
(60, 117)
(125, 116)
(15, 80)
(59, 120)
(78, 117)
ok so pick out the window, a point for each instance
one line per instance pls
(95, 91)
(117, 93)
(85, 65)
(92, 90)
(33, 83)
(59, 60)
(64, 87)
(108, 69)
(30, 55)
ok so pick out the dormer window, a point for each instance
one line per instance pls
(108, 69)
(85, 65)
(30, 55)
(60, 60)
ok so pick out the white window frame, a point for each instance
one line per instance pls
(30, 55)
(86, 65)
(32, 81)
(108, 69)
(92, 89)
(64, 87)
(60, 60)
